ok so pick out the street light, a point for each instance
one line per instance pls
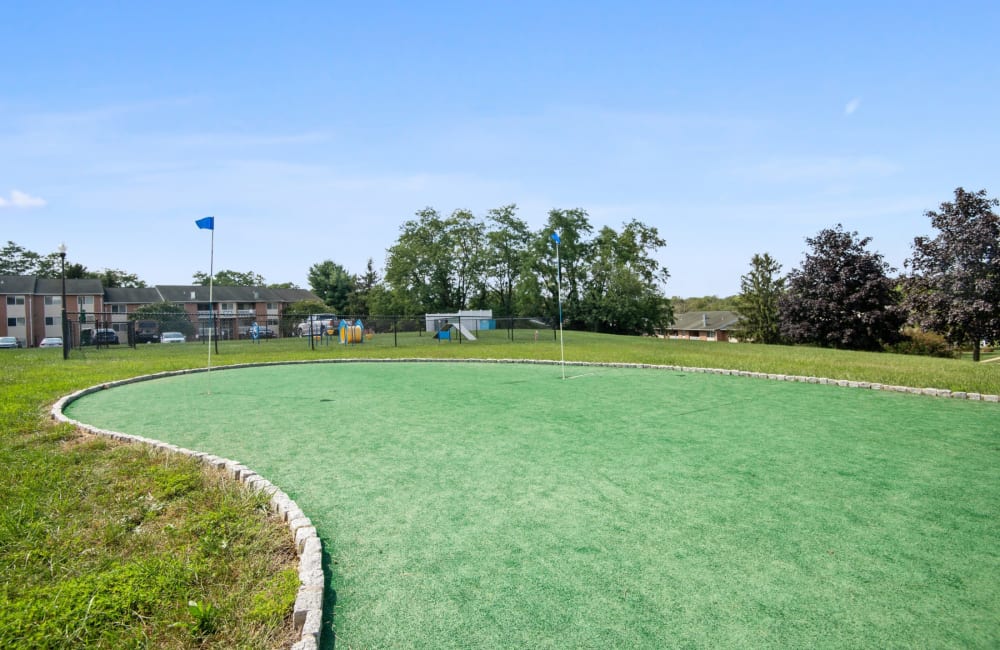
(65, 328)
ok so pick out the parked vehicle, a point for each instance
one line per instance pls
(51, 342)
(9, 342)
(316, 324)
(104, 337)
(173, 337)
(147, 331)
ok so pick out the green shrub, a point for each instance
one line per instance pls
(928, 344)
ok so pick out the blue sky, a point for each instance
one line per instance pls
(312, 131)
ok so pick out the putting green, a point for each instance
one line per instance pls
(497, 505)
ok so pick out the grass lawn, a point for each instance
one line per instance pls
(494, 505)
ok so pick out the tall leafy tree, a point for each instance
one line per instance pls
(955, 286)
(623, 290)
(437, 262)
(842, 296)
(506, 254)
(358, 302)
(118, 278)
(467, 236)
(760, 291)
(332, 283)
(230, 278)
(573, 227)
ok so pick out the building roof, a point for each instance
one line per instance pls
(29, 284)
(17, 284)
(53, 286)
(199, 293)
(705, 320)
(132, 295)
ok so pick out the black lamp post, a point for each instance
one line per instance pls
(65, 324)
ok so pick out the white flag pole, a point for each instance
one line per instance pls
(562, 349)
(211, 306)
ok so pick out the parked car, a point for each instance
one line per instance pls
(104, 337)
(318, 323)
(51, 342)
(9, 342)
(147, 331)
(173, 337)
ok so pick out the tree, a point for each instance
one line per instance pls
(171, 316)
(437, 263)
(760, 291)
(842, 296)
(622, 293)
(332, 283)
(506, 255)
(17, 260)
(229, 278)
(704, 303)
(358, 300)
(955, 286)
(117, 278)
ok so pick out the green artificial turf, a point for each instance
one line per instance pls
(497, 505)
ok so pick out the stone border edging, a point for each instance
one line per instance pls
(307, 613)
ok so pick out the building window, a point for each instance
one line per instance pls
(15, 300)
(248, 306)
(53, 300)
(272, 306)
(84, 300)
(118, 309)
(226, 305)
(50, 320)
(15, 322)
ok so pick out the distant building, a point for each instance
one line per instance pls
(31, 307)
(473, 319)
(705, 326)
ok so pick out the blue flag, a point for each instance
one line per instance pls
(555, 237)
(208, 223)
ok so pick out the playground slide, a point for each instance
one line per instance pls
(466, 333)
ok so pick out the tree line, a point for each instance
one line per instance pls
(611, 281)
(844, 295)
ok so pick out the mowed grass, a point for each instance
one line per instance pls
(495, 505)
(32, 379)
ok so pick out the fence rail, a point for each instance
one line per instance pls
(100, 329)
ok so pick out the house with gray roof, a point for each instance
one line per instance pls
(705, 326)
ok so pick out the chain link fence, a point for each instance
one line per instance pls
(104, 329)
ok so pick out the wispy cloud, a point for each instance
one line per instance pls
(20, 199)
(852, 106)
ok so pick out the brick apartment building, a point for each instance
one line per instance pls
(31, 307)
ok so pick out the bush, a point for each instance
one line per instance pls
(929, 344)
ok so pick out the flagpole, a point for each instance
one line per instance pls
(562, 349)
(208, 223)
(211, 307)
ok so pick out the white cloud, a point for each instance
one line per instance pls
(19, 199)
(852, 106)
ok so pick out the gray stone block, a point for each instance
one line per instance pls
(307, 599)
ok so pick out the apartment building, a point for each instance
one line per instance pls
(31, 307)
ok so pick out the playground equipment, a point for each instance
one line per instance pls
(444, 334)
(352, 333)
